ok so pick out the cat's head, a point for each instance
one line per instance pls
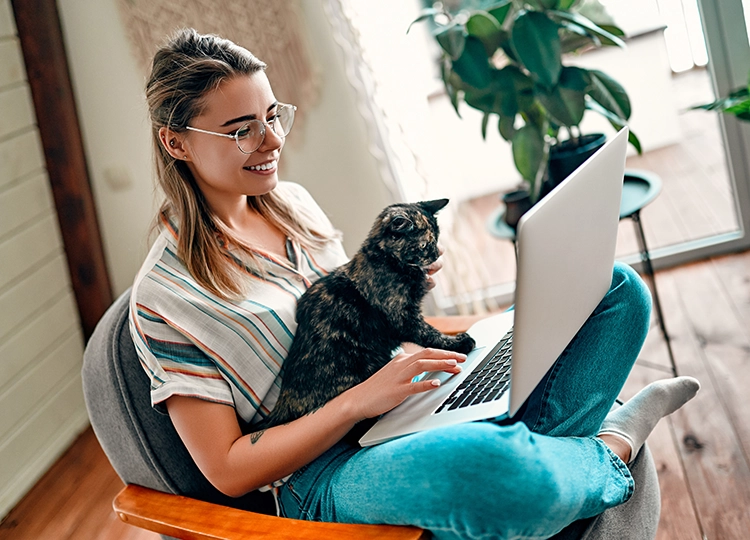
(408, 232)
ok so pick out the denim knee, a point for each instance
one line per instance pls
(631, 293)
(522, 492)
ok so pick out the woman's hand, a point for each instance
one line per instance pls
(392, 384)
(433, 269)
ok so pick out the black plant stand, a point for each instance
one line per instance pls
(639, 189)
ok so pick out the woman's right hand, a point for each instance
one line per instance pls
(392, 384)
(213, 437)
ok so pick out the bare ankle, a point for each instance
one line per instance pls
(617, 445)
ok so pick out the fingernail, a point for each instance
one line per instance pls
(435, 382)
(451, 362)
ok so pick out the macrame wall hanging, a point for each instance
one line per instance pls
(271, 30)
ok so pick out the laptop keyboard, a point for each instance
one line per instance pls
(487, 382)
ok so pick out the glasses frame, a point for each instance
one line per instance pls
(263, 124)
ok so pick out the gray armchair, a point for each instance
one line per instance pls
(165, 491)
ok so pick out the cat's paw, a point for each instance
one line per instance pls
(464, 343)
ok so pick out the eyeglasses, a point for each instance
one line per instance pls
(250, 135)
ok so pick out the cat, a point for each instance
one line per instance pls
(352, 320)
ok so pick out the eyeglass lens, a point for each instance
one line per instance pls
(251, 135)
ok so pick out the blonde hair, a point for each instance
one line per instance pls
(184, 71)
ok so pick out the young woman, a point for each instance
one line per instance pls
(212, 316)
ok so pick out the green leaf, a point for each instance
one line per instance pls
(567, 4)
(609, 94)
(450, 89)
(740, 110)
(473, 65)
(617, 122)
(537, 116)
(506, 127)
(737, 103)
(612, 29)
(424, 14)
(536, 44)
(482, 100)
(485, 120)
(633, 139)
(484, 27)
(514, 91)
(543, 4)
(507, 46)
(566, 102)
(500, 10)
(528, 151)
(574, 38)
(606, 37)
(451, 38)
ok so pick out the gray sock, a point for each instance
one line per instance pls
(634, 421)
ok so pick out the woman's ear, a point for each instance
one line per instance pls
(173, 143)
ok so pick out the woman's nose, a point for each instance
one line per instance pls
(271, 141)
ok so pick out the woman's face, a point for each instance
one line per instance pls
(224, 174)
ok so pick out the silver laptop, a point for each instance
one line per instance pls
(566, 249)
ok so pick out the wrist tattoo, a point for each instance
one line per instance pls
(255, 437)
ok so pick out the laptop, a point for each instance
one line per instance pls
(566, 250)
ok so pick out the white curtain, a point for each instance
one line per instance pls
(393, 74)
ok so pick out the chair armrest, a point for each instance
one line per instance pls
(183, 517)
(454, 324)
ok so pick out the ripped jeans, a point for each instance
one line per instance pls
(482, 480)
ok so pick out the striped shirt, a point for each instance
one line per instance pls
(194, 343)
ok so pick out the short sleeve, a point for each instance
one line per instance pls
(175, 364)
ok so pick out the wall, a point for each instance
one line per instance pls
(41, 345)
(331, 156)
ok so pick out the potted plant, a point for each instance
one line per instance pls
(506, 60)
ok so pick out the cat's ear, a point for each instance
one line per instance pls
(433, 206)
(400, 223)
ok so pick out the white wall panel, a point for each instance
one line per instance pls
(19, 156)
(23, 202)
(31, 450)
(41, 346)
(7, 24)
(27, 250)
(35, 338)
(11, 63)
(16, 108)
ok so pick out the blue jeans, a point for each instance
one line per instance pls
(526, 479)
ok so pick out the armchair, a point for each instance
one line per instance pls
(166, 493)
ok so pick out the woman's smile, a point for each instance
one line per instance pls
(266, 168)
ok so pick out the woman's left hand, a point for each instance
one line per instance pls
(433, 269)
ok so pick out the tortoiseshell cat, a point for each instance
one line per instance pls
(351, 320)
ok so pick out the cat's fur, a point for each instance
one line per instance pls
(351, 320)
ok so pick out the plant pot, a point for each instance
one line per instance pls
(517, 203)
(566, 157)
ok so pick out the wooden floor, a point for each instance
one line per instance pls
(702, 452)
